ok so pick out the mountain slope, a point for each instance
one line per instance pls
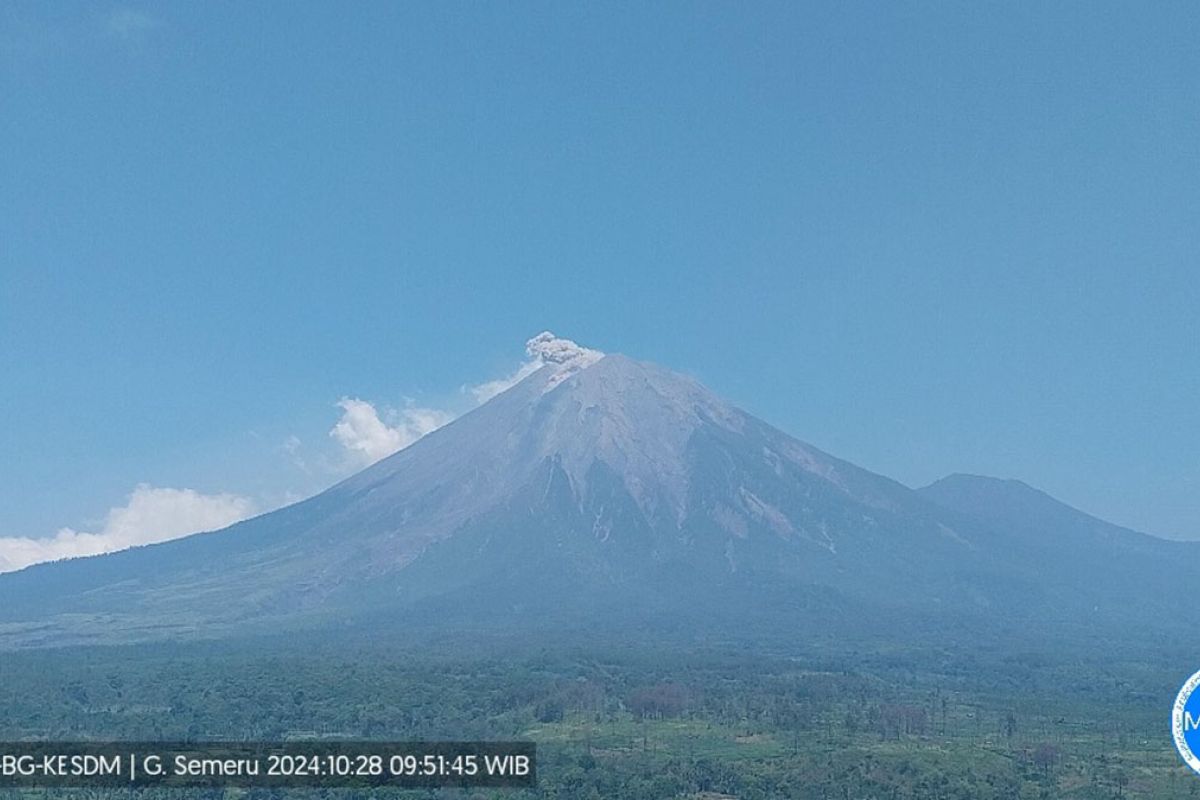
(1015, 506)
(605, 489)
(1101, 570)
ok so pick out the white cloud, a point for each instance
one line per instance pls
(293, 448)
(486, 391)
(368, 438)
(364, 433)
(128, 24)
(151, 515)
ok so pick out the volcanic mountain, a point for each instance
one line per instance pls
(604, 490)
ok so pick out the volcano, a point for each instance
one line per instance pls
(605, 490)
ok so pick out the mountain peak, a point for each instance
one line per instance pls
(560, 358)
(969, 482)
(1015, 505)
(995, 498)
(632, 418)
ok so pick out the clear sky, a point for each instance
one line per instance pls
(926, 237)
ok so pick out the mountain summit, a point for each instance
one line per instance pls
(599, 487)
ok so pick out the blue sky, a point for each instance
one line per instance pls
(925, 237)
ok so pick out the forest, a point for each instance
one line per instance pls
(628, 719)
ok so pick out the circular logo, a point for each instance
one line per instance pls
(1185, 723)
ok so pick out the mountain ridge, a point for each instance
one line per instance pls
(597, 483)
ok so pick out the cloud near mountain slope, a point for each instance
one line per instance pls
(365, 433)
(150, 515)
